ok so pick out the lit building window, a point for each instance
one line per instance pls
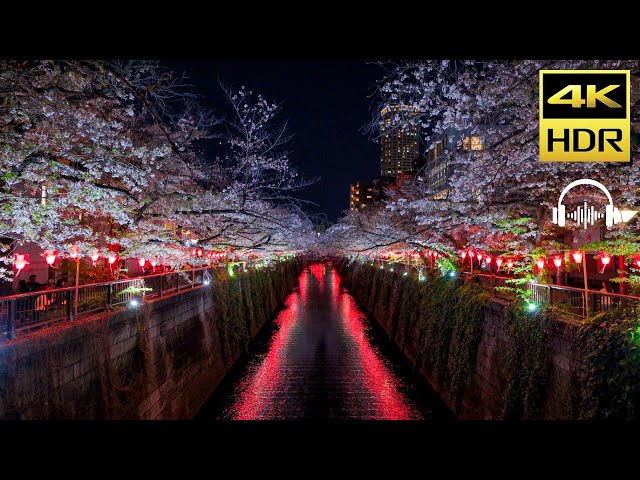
(472, 143)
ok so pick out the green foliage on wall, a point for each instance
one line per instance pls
(527, 361)
(608, 377)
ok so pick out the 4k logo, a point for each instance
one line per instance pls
(584, 116)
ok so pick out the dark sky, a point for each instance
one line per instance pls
(326, 104)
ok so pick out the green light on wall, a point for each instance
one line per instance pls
(230, 271)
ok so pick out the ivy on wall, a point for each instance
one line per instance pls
(608, 376)
(443, 318)
(528, 360)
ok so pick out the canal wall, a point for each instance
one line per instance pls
(491, 359)
(160, 361)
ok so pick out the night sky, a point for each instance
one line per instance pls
(326, 103)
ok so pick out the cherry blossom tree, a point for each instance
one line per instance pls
(499, 198)
(104, 155)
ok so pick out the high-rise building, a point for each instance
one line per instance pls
(399, 144)
(439, 165)
(360, 195)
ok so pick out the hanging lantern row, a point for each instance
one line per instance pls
(488, 259)
(50, 256)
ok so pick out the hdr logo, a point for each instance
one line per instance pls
(584, 116)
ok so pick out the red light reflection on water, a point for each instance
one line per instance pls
(371, 390)
(377, 378)
(257, 386)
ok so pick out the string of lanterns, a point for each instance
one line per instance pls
(554, 261)
(21, 260)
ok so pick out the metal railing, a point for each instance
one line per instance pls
(572, 301)
(29, 311)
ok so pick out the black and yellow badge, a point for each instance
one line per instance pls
(584, 116)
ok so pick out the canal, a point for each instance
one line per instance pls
(322, 358)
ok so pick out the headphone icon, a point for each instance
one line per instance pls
(584, 214)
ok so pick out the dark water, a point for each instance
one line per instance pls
(322, 358)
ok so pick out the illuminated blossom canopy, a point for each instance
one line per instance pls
(105, 155)
(499, 198)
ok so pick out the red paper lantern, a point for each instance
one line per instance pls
(487, 259)
(20, 260)
(557, 261)
(577, 256)
(637, 261)
(498, 262)
(479, 256)
(605, 259)
(95, 255)
(112, 258)
(510, 263)
(470, 253)
(463, 255)
(153, 263)
(540, 262)
(50, 256)
(141, 262)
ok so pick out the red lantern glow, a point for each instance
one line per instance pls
(509, 263)
(557, 261)
(198, 252)
(540, 262)
(50, 256)
(463, 255)
(153, 263)
(20, 260)
(95, 255)
(141, 262)
(498, 262)
(577, 256)
(471, 253)
(488, 259)
(637, 261)
(112, 258)
(479, 256)
(605, 259)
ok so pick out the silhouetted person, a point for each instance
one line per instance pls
(22, 286)
(61, 296)
(32, 285)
